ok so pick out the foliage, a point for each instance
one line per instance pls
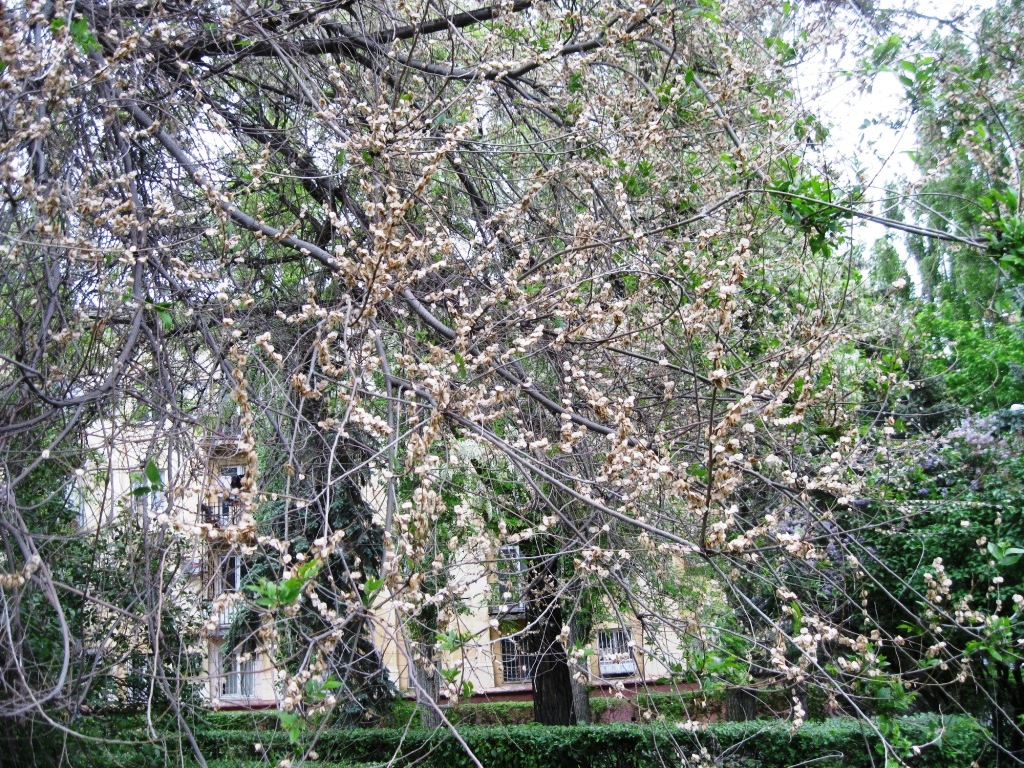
(969, 136)
(980, 364)
(962, 94)
(440, 279)
(947, 600)
(949, 742)
(942, 741)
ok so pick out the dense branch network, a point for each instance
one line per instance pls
(529, 270)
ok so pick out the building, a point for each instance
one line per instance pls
(202, 501)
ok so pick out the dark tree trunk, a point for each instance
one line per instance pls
(552, 680)
(1008, 705)
(581, 702)
(740, 705)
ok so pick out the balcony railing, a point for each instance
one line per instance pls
(221, 515)
(226, 616)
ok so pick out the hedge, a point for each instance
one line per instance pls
(839, 743)
(836, 743)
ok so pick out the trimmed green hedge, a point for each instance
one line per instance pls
(840, 743)
(945, 742)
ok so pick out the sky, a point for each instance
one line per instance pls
(880, 149)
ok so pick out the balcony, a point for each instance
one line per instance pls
(226, 617)
(221, 515)
(223, 493)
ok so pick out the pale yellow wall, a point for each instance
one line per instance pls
(126, 450)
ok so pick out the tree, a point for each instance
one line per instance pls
(949, 573)
(351, 237)
(961, 93)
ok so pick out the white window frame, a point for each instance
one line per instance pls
(236, 678)
(76, 500)
(228, 580)
(615, 652)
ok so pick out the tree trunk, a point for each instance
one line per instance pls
(579, 672)
(426, 682)
(552, 681)
(740, 705)
(581, 702)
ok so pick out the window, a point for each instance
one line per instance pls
(614, 656)
(231, 573)
(237, 672)
(516, 664)
(137, 679)
(510, 584)
(223, 509)
(75, 500)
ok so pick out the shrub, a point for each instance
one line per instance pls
(944, 742)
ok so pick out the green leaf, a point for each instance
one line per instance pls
(797, 617)
(82, 35)
(165, 319)
(309, 569)
(372, 585)
(698, 471)
(153, 475)
(886, 51)
(289, 592)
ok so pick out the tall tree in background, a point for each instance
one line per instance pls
(964, 91)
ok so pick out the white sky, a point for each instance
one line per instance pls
(880, 151)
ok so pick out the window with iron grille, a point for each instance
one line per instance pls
(516, 664)
(614, 655)
(136, 679)
(223, 509)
